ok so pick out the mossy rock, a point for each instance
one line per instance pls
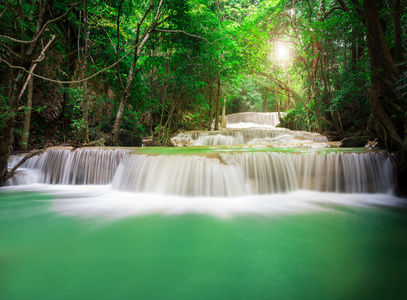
(354, 141)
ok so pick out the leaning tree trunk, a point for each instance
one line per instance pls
(124, 98)
(388, 109)
(140, 43)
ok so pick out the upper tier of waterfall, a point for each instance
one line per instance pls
(253, 119)
(252, 128)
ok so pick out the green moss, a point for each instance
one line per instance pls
(207, 150)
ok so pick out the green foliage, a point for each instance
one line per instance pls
(5, 109)
(295, 119)
(234, 41)
(351, 100)
(73, 110)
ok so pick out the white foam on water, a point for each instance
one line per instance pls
(95, 201)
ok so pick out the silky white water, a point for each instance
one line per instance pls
(250, 128)
(212, 178)
(249, 119)
(69, 166)
(101, 201)
(276, 136)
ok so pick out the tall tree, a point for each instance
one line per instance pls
(158, 15)
(28, 50)
(389, 109)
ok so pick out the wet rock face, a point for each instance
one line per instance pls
(354, 141)
(128, 139)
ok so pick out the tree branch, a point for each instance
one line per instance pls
(282, 86)
(158, 10)
(100, 71)
(40, 57)
(71, 81)
(343, 5)
(118, 44)
(43, 27)
(6, 9)
(10, 173)
(330, 11)
(11, 51)
(193, 35)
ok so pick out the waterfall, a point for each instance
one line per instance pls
(239, 131)
(231, 172)
(345, 172)
(267, 172)
(236, 174)
(180, 175)
(260, 167)
(254, 119)
(69, 166)
(247, 136)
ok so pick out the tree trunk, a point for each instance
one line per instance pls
(27, 116)
(354, 56)
(164, 98)
(278, 104)
(123, 100)
(308, 114)
(6, 130)
(223, 121)
(388, 110)
(210, 97)
(85, 98)
(217, 110)
(119, 118)
(265, 104)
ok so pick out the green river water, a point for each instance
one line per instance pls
(346, 253)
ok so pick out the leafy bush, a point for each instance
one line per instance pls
(295, 119)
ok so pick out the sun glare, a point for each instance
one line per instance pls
(282, 52)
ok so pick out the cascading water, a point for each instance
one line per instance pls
(280, 136)
(180, 175)
(249, 119)
(69, 166)
(118, 221)
(216, 172)
(256, 168)
(264, 172)
(251, 128)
